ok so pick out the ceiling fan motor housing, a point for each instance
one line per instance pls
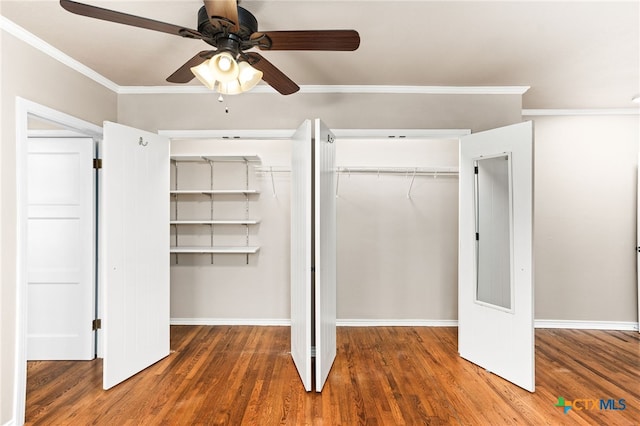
(217, 36)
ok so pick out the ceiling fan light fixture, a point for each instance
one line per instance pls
(224, 67)
(204, 74)
(248, 76)
(230, 88)
(225, 63)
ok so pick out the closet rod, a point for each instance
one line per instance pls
(436, 171)
(444, 171)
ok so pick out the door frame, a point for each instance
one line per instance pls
(24, 110)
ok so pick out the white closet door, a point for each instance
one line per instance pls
(325, 251)
(60, 249)
(495, 294)
(134, 239)
(301, 244)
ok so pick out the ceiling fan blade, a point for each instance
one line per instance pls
(126, 19)
(343, 40)
(184, 74)
(272, 75)
(223, 13)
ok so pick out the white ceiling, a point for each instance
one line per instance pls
(573, 54)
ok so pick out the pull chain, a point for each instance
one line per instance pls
(226, 107)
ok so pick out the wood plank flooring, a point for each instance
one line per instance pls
(244, 375)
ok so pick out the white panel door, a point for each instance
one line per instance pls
(60, 249)
(495, 294)
(301, 245)
(134, 242)
(638, 241)
(325, 251)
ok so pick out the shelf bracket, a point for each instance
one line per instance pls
(273, 182)
(413, 177)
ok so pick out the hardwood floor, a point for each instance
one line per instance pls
(218, 375)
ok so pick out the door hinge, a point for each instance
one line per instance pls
(477, 236)
(97, 163)
(475, 170)
(96, 324)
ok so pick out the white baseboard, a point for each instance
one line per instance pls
(567, 324)
(11, 422)
(395, 323)
(339, 322)
(230, 321)
(588, 325)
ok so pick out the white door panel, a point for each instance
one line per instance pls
(301, 244)
(495, 259)
(60, 249)
(134, 240)
(325, 251)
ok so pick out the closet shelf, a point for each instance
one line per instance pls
(215, 158)
(216, 222)
(215, 249)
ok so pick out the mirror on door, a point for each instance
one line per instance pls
(493, 212)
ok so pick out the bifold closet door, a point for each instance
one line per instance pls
(325, 251)
(313, 253)
(495, 294)
(301, 251)
(134, 247)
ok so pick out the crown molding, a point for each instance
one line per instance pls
(419, 90)
(167, 90)
(327, 89)
(20, 33)
(577, 112)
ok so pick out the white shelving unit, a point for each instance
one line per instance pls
(213, 196)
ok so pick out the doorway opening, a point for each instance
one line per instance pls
(49, 120)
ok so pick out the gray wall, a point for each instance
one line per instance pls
(585, 218)
(397, 256)
(32, 75)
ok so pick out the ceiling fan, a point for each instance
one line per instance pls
(232, 30)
